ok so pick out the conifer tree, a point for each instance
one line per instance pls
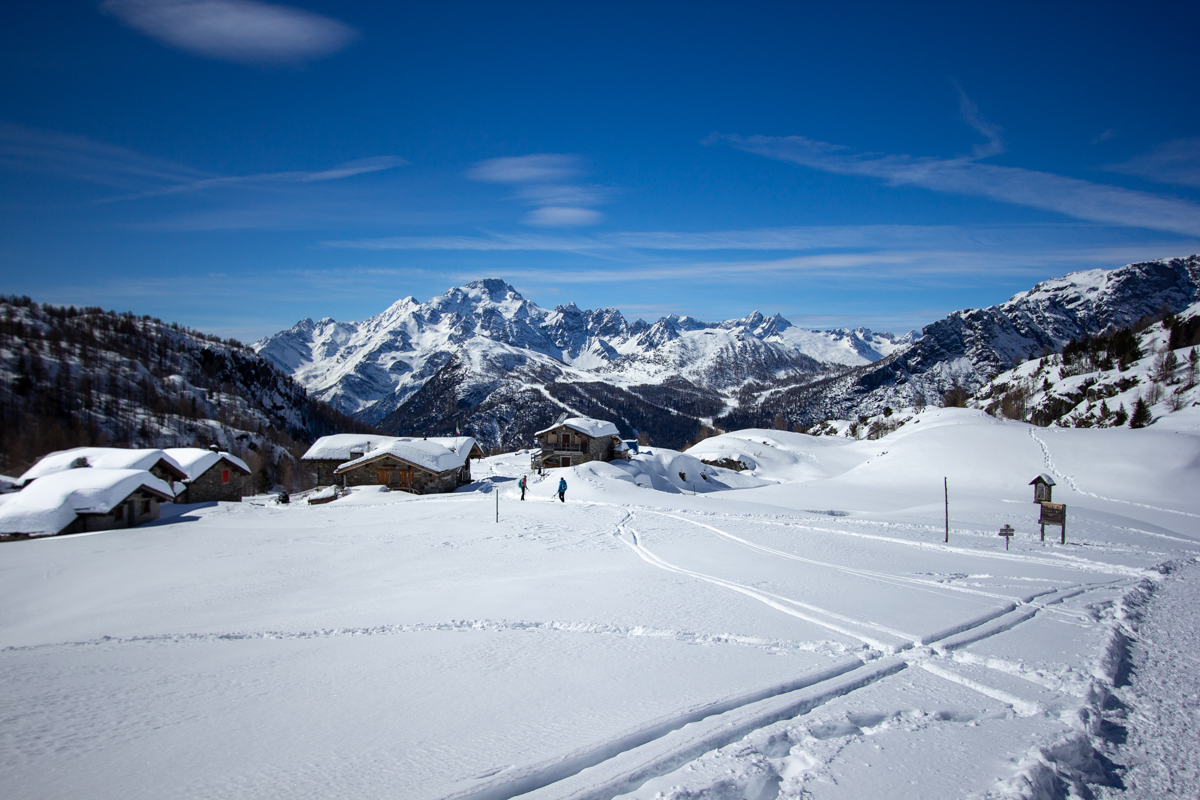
(1141, 414)
(1120, 416)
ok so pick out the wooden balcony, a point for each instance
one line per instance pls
(549, 449)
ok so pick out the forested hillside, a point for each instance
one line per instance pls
(85, 376)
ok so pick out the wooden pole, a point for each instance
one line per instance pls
(946, 489)
(1043, 531)
(1064, 527)
(497, 491)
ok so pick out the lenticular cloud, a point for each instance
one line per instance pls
(244, 31)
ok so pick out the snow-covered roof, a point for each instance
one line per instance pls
(51, 503)
(338, 446)
(424, 453)
(100, 458)
(198, 460)
(1044, 478)
(455, 443)
(594, 428)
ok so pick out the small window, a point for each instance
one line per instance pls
(119, 512)
(224, 476)
(145, 506)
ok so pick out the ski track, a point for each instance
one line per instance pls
(668, 745)
(681, 738)
(1059, 561)
(895, 580)
(459, 626)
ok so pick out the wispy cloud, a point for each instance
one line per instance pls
(1179, 162)
(966, 267)
(241, 31)
(563, 216)
(1176, 162)
(1071, 196)
(970, 114)
(346, 170)
(542, 180)
(1010, 238)
(537, 168)
(142, 176)
(83, 159)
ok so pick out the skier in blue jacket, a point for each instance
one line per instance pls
(562, 490)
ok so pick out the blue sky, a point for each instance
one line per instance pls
(237, 165)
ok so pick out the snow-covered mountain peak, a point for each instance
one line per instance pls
(759, 326)
(481, 296)
(372, 367)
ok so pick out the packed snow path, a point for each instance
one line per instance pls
(1157, 706)
(631, 641)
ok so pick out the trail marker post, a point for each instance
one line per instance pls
(1007, 532)
(946, 490)
(497, 491)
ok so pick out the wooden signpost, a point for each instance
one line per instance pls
(1007, 532)
(1054, 514)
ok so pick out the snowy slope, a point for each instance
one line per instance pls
(808, 635)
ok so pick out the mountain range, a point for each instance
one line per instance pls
(486, 360)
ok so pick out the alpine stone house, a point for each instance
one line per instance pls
(157, 462)
(84, 499)
(410, 464)
(577, 440)
(212, 475)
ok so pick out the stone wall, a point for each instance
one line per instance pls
(208, 487)
(597, 449)
(139, 508)
(418, 480)
(324, 469)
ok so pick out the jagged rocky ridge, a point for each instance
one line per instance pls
(485, 359)
(968, 348)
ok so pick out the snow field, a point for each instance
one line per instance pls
(807, 635)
